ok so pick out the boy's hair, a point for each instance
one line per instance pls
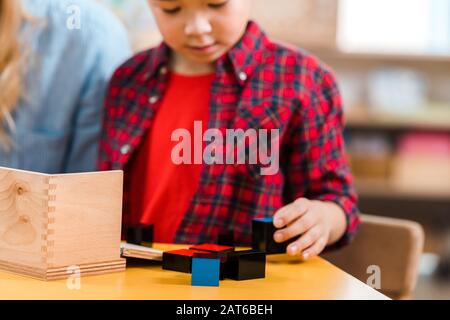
(11, 16)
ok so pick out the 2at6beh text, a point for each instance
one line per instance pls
(232, 309)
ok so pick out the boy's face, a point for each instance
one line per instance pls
(201, 30)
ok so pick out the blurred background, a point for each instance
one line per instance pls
(392, 59)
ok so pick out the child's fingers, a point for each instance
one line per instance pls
(315, 249)
(305, 241)
(296, 228)
(291, 212)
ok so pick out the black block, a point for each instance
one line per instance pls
(141, 235)
(205, 255)
(262, 237)
(245, 265)
(178, 260)
(226, 239)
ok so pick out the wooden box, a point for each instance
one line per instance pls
(51, 224)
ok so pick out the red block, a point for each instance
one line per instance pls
(212, 248)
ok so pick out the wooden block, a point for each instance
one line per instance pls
(52, 222)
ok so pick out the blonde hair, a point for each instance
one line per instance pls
(11, 16)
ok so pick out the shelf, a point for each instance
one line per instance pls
(379, 57)
(436, 120)
(379, 188)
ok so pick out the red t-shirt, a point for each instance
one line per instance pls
(160, 190)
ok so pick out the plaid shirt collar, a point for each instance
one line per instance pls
(244, 57)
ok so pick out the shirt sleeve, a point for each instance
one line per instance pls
(110, 48)
(317, 164)
(104, 160)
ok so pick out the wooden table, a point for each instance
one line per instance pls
(291, 280)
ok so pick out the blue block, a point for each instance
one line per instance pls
(267, 220)
(205, 272)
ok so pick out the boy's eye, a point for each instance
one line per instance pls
(217, 5)
(172, 10)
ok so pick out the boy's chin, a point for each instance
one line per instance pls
(205, 58)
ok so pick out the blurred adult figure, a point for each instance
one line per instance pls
(56, 58)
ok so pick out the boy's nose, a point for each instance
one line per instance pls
(197, 25)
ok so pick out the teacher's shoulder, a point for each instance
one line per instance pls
(86, 21)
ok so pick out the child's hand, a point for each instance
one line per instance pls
(318, 223)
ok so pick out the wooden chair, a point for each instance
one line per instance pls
(394, 245)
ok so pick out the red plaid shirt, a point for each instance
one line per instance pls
(258, 84)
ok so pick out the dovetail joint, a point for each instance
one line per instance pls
(49, 221)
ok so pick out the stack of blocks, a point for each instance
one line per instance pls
(210, 263)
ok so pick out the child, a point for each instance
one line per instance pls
(217, 68)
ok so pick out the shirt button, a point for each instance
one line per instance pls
(243, 76)
(125, 149)
(163, 70)
(153, 99)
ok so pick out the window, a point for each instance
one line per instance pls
(394, 26)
